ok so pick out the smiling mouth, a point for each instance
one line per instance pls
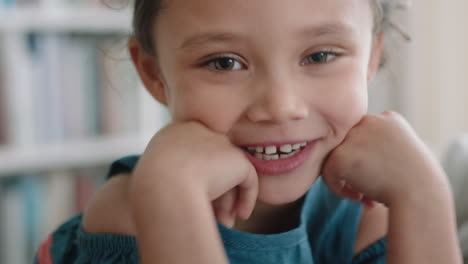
(275, 152)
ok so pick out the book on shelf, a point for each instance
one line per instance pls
(34, 205)
(17, 90)
(111, 4)
(13, 231)
(49, 107)
(3, 102)
(75, 87)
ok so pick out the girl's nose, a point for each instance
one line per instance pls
(278, 101)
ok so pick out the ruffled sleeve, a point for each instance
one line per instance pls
(70, 244)
(60, 246)
(123, 165)
(374, 254)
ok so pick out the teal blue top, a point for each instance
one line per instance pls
(326, 234)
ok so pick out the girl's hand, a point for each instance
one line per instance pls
(189, 153)
(382, 159)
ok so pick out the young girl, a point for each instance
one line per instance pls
(270, 157)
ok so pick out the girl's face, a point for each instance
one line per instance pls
(269, 72)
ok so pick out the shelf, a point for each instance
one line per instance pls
(77, 154)
(87, 20)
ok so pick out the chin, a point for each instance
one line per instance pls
(280, 190)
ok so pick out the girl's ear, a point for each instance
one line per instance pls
(148, 71)
(376, 54)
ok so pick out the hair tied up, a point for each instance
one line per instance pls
(388, 6)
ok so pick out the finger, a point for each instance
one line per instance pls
(350, 193)
(340, 188)
(332, 169)
(333, 172)
(334, 184)
(224, 208)
(248, 192)
(390, 113)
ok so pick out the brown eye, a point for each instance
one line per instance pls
(319, 58)
(225, 64)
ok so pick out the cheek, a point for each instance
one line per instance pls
(344, 103)
(217, 107)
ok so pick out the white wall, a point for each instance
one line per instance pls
(427, 79)
(437, 84)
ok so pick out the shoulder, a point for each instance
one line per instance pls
(372, 227)
(109, 210)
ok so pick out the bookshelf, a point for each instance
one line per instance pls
(70, 104)
(80, 19)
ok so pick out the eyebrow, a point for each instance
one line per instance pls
(333, 29)
(210, 37)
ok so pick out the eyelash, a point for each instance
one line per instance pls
(218, 58)
(327, 53)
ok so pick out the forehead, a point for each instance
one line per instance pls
(266, 18)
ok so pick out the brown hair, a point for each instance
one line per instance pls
(146, 11)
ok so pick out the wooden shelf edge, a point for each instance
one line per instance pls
(77, 154)
(65, 20)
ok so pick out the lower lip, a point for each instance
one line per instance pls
(281, 166)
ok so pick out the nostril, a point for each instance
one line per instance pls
(276, 114)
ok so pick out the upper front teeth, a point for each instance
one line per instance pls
(286, 148)
(269, 150)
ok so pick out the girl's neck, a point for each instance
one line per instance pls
(272, 219)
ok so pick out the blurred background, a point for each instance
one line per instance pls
(70, 103)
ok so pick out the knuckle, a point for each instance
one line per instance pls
(389, 113)
(392, 114)
(368, 120)
(396, 118)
